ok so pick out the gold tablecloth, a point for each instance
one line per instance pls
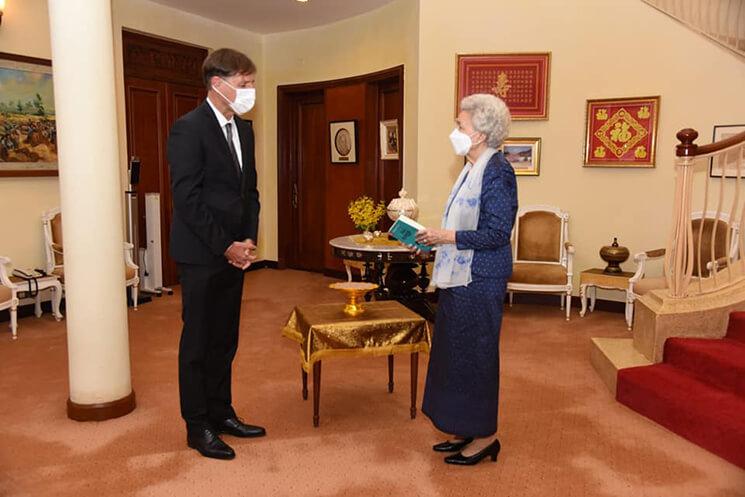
(384, 328)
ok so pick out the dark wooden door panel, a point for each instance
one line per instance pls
(162, 83)
(146, 114)
(311, 178)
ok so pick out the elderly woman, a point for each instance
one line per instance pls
(473, 263)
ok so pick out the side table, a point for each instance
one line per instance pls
(592, 279)
(21, 288)
(385, 328)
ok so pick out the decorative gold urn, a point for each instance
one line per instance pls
(614, 255)
(403, 205)
(355, 292)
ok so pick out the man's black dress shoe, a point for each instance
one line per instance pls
(237, 428)
(452, 446)
(490, 450)
(208, 443)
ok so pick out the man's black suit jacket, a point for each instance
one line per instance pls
(212, 205)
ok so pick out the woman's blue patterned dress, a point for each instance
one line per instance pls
(462, 390)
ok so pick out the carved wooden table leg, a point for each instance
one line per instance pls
(414, 375)
(305, 383)
(390, 373)
(316, 391)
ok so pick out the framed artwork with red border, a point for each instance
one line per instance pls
(621, 132)
(520, 79)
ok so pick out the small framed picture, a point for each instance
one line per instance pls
(389, 139)
(343, 137)
(725, 165)
(524, 154)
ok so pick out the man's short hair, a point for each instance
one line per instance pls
(226, 62)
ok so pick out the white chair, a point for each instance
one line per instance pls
(640, 285)
(8, 300)
(542, 255)
(18, 286)
(52, 221)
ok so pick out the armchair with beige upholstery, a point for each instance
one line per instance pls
(542, 254)
(52, 221)
(639, 285)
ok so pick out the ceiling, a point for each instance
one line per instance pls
(273, 16)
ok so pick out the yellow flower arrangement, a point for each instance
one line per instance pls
(365, 213)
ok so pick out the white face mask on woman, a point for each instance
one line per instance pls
(245, 98)
(461, 142)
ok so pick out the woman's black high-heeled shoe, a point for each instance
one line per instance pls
(490, 450)
(452, 446)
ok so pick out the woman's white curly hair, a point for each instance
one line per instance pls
(489, 115)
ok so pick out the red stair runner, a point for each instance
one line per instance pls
(698, 391)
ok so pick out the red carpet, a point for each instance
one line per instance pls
(698, 391)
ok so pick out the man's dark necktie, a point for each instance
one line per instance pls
(231, 146)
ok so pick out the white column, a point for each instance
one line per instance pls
(91, 200)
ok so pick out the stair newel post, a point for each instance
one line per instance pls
(679, 253)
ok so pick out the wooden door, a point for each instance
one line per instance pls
(146, 139)
(313, 193)
(162, 83)
(307, 183)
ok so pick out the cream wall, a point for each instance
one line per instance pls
(25, 31)
(600, 48)
(595, 53)
(384, 38)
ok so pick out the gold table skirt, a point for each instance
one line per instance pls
(385, 328)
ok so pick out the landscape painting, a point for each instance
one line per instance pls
(28, 132)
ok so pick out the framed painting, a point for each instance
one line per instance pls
(389, 139)
(621, 132)
(343, 137)
(28, 130)
(524, 154)
(520, 79)
(725, 165)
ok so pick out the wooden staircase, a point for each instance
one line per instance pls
(720, 20)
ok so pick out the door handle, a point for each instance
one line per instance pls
(294, 195)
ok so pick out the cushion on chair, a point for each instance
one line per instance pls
(720, 242)
(538, 274)
(648, 284)
(539, 237)
(56, 225)
(5, 293)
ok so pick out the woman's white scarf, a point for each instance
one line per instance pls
(453, 266)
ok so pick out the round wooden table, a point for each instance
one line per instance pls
(392, 266)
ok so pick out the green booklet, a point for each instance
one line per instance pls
(405, 229)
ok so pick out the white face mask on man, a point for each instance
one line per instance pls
(461, 142)
(245, 98)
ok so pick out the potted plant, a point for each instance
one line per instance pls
(366, 214)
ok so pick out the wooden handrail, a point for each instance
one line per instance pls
(686, 147)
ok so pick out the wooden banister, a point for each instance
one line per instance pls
(686, 147)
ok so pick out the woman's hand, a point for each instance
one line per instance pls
(433, 236)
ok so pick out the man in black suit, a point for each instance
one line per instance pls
(213, 237)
